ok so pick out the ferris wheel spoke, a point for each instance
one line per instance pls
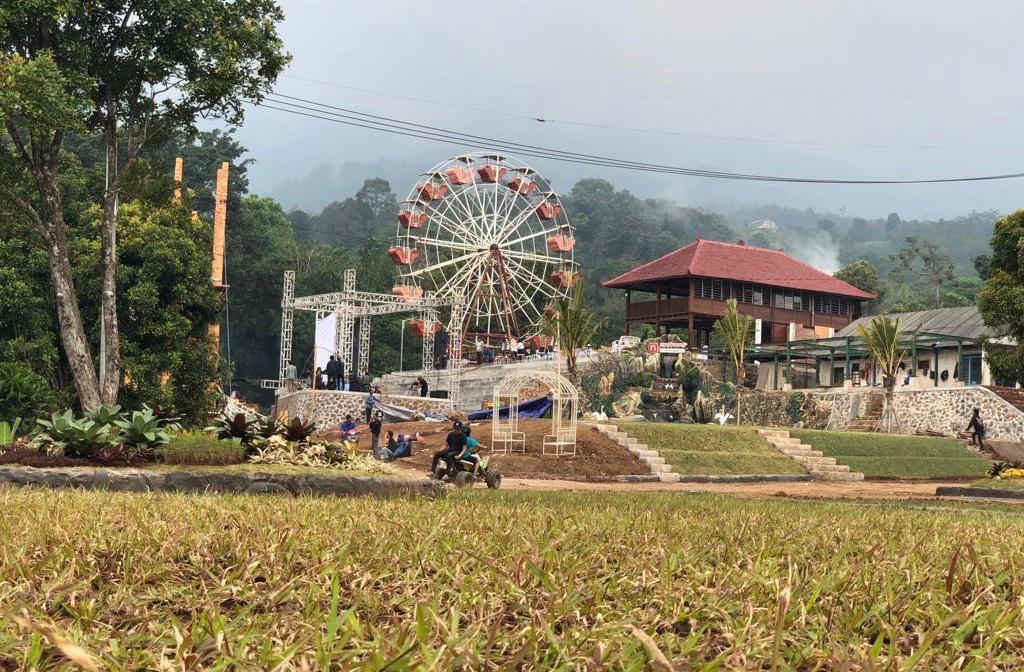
(525, 297)
(541, 282)
(531, 256)
(462, 275)
(513, 224)
(455, 228)
(529, 236)
(419, 272)
(450, 244)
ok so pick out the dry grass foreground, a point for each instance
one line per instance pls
(506, 580)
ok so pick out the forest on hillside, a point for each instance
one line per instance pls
(164, 260)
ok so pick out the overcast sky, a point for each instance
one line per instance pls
(858, 72)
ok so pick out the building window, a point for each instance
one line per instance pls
(789, 299)
(825, 304)
(706, 288)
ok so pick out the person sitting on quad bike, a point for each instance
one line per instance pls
(468, 467)
(454, 444)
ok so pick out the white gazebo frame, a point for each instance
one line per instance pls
(505, 434)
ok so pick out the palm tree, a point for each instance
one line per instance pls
(736, 330)
(882, 339)
(572, 325)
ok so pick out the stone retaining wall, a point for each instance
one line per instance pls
(939, 410)
(948, 411)
(328, 408)
(198, 482)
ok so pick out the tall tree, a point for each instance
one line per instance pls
(134, 72)
(1001, 299)
(926, 261)
(737, 332)
(862, 275)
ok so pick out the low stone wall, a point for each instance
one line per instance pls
(938, 410)
(948, 411)
(328, 408)
(199, 482)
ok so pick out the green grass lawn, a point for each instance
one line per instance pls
(1000, 484)
(896, 456)
(506, 580)
(712, 449)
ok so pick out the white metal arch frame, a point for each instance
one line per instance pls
(505, 434)
(491, 228)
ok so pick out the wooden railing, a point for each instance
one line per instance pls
(651, 309)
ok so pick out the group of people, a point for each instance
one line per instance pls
(331, 377)
(394, 446)
(511, 349)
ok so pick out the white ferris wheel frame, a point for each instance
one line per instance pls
(486, 241)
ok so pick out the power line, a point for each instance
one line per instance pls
(542, 119)
(355, 118)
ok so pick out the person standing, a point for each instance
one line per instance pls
(376, 424)
(371, 401)
(424, 388)
(332, 373)
(977, 429)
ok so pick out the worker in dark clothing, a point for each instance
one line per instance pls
(454, 444)
(977, 429)
(424, 388)
(332, 373)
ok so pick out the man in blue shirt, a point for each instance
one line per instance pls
(348, 426)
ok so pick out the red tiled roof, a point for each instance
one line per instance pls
(729, 261)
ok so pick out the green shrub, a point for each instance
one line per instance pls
(141, 433)
(64, 434)
(23, 393)
(793, 406)
(200, 448)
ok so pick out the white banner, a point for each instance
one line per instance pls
(326, 328)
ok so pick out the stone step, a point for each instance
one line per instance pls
(659, 468)
(668, 477)
(646, 453)
(781, 433)
(831, 469)
(816, 462)
(652, 459)
(840, 476)
(802, 452)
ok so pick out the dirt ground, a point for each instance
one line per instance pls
(597, 459)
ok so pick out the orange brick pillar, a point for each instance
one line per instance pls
(220, 214)
(179, 175)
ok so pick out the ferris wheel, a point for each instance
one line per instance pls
(488, 228)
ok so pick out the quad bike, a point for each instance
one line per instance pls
(465, 472)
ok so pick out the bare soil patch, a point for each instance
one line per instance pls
(597, 459)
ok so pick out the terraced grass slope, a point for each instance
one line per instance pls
(712, 449)
(506, 580)
(895, 455)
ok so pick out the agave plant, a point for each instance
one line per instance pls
(141, 433)
(298, 430)
(63, 434)
(105, 415)
(9, 431)
(239, 426)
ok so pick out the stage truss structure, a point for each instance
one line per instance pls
(351, 305)
(489, 228)
(505, 434)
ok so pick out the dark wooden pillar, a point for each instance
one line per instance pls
(629, 296)
(657, 313)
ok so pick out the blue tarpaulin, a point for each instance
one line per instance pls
(535, 408)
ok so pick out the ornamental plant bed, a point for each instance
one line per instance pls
(598, 458)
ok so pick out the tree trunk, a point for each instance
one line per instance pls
(76, 346)
(110, 372)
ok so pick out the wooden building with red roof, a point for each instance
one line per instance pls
(687, 289)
